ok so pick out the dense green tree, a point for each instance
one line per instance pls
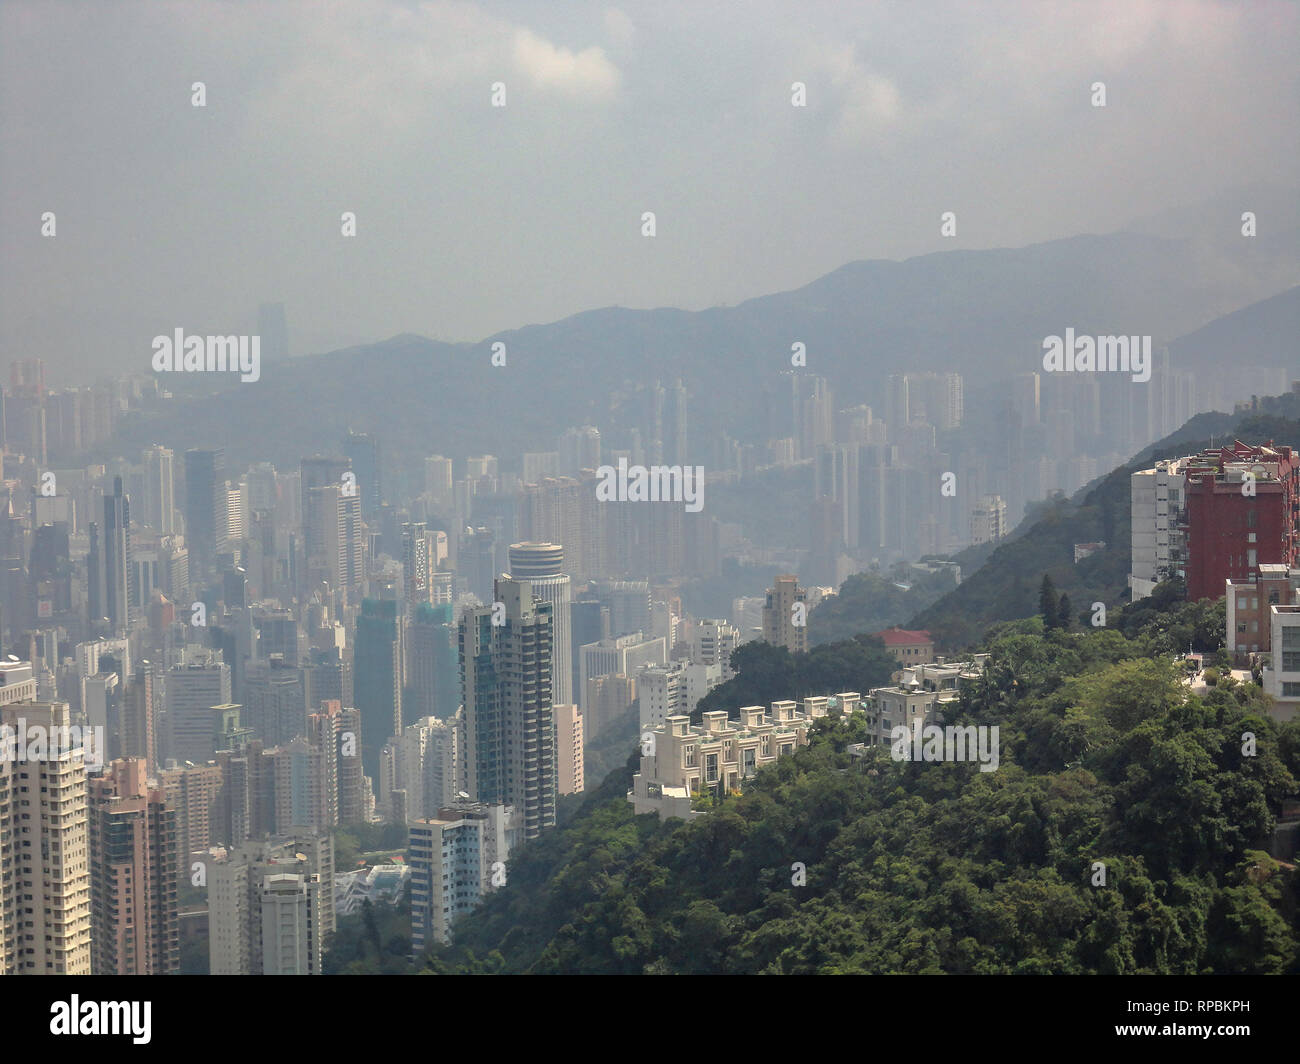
(1048, 606)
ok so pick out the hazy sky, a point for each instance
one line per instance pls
(472, 219)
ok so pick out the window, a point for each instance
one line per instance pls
(1252, 518)
(749, 760)
(1291, 661)
(711, 768)
(688, 756)
(786, 749)
(1291, 690)
(1291, 637)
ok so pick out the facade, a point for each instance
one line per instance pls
(618, 656)
(424, 764)
(192, 792)
(1243, 510)
(1282, 677)
(455, 858)
(262, 924)
(1158, 518)
(44, 848)
(1247, 602)
(509, 721)
(135, 921)
(920, 695)
(718, 754)
(193, 693)
(988, 520)
(542, 564)
(712, 643)
(205, 509)
(569, 750)
(779, 627)
(378, 668)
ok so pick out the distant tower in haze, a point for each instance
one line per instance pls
(363, 450)
(205, 509)
(273, 330)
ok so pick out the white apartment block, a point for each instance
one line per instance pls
(456, 858)
(44, 843)
(661, 691)
(1282, 678)
(712, 643)
(1159, 544)
(920, 695)
(687, 760)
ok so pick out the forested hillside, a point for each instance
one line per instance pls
(937, 867)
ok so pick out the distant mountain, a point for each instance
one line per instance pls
(983, 313)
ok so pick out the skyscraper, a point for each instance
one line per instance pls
(542, 565)
(205, 510)
(117, 568)
(44, 842)
(159, 510)
(362, 450)
(135, 922)
(378, 667)
(506, 684)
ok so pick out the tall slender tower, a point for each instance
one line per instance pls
(506, 684)
(135, 921)
(542, 565)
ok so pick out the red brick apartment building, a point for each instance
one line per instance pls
(1234, 525)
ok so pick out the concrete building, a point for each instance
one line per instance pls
(569, 750)
(618, 656)
(423, 762)
(192, 792)
(271, 907)
(509, 721)
(988, 520)
(909, 647)
(456, 858)
(193, 693)
(1158, 515)
(712, 642)
(719, 754)
(542, 565)
(783, 624)
(1282, 677)
(45, 921)
(661, 691)
(920, 695)
(135, 922)
(1243, 510)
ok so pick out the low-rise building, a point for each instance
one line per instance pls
(685, 760)
(909, 647)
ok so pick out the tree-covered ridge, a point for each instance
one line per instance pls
(933, 867)
(872, 602)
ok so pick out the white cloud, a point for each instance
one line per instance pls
(585, 73)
